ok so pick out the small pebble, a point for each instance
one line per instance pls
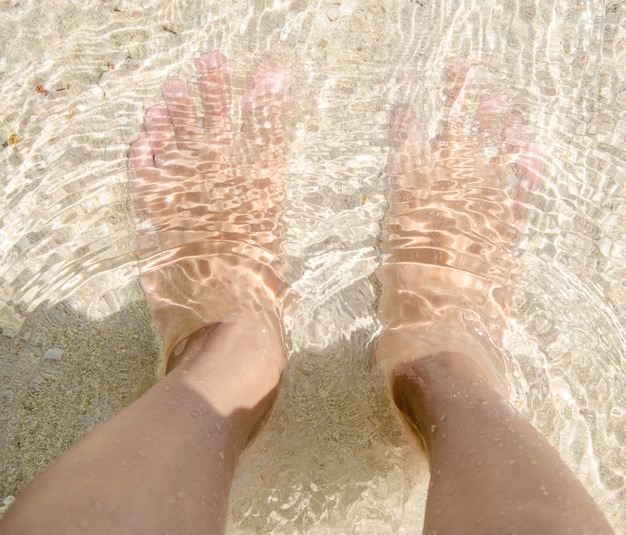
(97, 91)
(53, 354)
(333, 13)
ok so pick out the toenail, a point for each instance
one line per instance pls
(275, 81)
(155, 115)
(212, 60)
(174, 89)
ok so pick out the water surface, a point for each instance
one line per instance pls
(76, 79)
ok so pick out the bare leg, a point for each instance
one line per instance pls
(450, 233)
(209, 199)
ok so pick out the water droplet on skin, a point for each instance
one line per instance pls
(221, 454)
(443, 418)
(141, 453)
(433, 428)
(218, 426)
(167, 388)
(194, 413)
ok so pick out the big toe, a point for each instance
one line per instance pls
(215, 91)
(267, 105)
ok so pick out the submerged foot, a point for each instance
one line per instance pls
(207, 197)
(454, 218)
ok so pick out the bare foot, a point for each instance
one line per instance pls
(454, 218)
(208, 203)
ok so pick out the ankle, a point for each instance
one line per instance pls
(431, 391)
(234, 364)
(455, 331)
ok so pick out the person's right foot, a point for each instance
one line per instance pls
(208, 201)
(450, 233)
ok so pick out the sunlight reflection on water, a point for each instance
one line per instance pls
(333, 456)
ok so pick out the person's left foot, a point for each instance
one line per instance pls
(207, 198)
(450, 232)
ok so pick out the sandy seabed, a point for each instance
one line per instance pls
(76, 343)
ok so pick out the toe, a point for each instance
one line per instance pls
(490, 121)
(528, 170)
(266, 103)
(183, 112)
(524, 160)
(143, 170)
(215, 91)
(144, 174)
(410, 151)
(515, 134)
(141, 155)
(460, 79)
(160, 134)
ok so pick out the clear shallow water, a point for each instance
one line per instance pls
(333, 457)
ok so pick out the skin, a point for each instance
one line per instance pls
(207, 199)
(447, 283)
